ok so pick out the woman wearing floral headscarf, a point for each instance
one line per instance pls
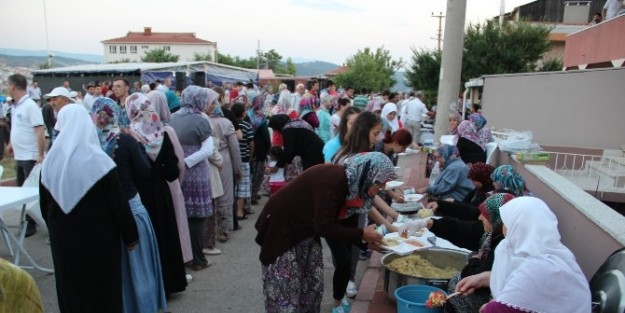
(453, 182)
(483, 133)
(155, 194)
(454, 120)
(507, 179)
(291, 257)
(143, 273)
(307, 110)
(194, 133)
(158, 100)
(469, 144)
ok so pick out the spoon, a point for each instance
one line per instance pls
(432, 240)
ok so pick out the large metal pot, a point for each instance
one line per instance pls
(437, 256)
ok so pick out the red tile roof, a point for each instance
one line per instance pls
(152, 37)
(339, 70)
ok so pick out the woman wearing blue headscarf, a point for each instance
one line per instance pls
(453, 181)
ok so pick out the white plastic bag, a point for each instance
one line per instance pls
(517, 141)
(33, 209)
(436, 171)
(33, 179)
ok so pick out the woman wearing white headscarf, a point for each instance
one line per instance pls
(87, 215)
(389, 114)
(533, 271)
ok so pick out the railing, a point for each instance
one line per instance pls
(590, 172)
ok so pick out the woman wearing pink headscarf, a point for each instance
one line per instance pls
(469, 144)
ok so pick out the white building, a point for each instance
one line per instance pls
(134, 45)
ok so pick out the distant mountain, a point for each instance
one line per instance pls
(314, 68)
(86, 58)
(34, 62)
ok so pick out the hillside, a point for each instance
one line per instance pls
(33, 62)
(88, 58)
(314, 68)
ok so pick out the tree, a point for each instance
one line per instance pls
(159, 56)
(488, 49)
(424, 72)
(272, 58)
(551, 65)
(370, 70)
(290, 67)
(511, 48)
(124, 60)
(202, 57)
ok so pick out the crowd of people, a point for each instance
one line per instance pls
(166, 176)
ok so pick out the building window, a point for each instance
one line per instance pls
(122, 49)
(112, 49)
(133, 49)
(145, 47)
(167, 48)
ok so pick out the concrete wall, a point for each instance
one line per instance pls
(186, 52)
(589, 228)
(577, 108)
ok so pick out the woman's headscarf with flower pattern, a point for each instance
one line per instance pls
(256, 111)
(490, 210)
(448, 153)
(194, 99)
(145, 123)
(363, 171)
(158, 100)
(508, 179)
(106, 112)
(467, 130)
(481, 172)
(478, 120)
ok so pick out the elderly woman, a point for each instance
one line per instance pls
(194, 133)
(454, 120)
(229, 150)
(85, 205)
(533, 271)
(147, 128)
(291, 257)
(453, 182)
(471, 151)
(484, 236)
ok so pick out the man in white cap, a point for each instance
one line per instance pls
(56, 100)
(27, 141)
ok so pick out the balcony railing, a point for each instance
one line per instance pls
(601, 45)
(590, 172)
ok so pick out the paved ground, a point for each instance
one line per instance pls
(232, 284)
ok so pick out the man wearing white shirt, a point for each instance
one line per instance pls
(413, 111)
(27, 142)
(335, 119)
(34, 92)
(90, 97)
(611, 9)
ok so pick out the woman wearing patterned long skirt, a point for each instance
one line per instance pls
(194, 133)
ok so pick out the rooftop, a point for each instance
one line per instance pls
(147, 36)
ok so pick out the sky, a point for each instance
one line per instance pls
(325, 30)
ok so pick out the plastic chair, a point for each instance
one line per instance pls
(491, 147)
(607, 286)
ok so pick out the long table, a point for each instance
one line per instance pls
(14, 197)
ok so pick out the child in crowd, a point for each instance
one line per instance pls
(276, 180)
(243, 189)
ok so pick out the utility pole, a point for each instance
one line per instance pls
(45, 19)
(439, 37)
(258, 53)
(502, 11)
(451, 64)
